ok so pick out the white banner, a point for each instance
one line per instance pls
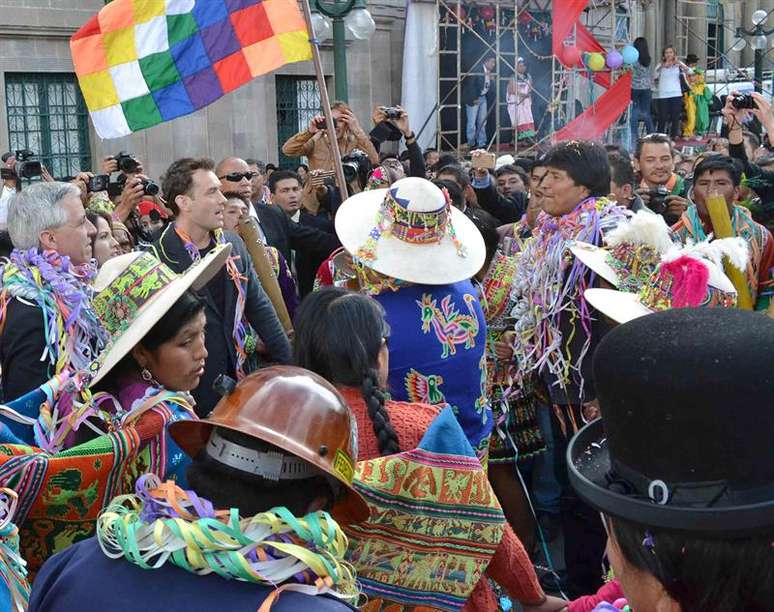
(420, 70)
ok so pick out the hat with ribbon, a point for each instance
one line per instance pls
(685, 278)
(133, 292)
(684, 442)
(633, 250)
(411, 232)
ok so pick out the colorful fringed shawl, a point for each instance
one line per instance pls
(61, 493)
(548, 291)
(162, 523)
(14, 589)
(756, 236)
(435, 524)
(74, 335)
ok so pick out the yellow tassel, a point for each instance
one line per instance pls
(722, 228)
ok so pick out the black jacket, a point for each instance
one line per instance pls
(307, 263)
(259, 312)
(285, 235)
(473, 86)
(505, 210)
(22, 343)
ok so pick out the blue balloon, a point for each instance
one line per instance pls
(630, 55)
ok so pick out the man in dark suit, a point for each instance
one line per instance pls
(192, 191)
(309, 240)
(477, 91)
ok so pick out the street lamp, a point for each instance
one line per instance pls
(758, 42)
(349, 15)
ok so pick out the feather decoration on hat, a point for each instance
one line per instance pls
(690, 277)
(645, 229)
(736, 250)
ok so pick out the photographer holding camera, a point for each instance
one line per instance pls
(313, 141)
(661, 189)
(391, 123)
(761, 181)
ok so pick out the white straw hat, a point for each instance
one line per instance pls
(134, 291)
(411, 232)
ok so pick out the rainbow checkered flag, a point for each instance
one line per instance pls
(143, 62)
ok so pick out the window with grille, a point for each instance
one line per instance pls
(47, 115)
(298, 100)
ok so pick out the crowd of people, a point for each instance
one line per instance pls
(240, 388)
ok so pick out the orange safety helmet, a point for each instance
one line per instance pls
(297, 411)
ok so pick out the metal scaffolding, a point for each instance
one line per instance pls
(565, 97)
(503, 41)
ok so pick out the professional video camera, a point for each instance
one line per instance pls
(26, 166)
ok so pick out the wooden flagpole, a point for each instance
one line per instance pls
(326, 103)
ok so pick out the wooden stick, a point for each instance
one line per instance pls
(325, 101)
(248, 230)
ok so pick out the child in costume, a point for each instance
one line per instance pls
(82, 445)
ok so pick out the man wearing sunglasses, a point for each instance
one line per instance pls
(235, 175)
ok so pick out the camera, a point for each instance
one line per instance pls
(392, 112)
(126, 162)
(26, 166)
(657, 199)
(745, 101)
(150, 188)
(320, 124)
(98, 183)
(356, 167)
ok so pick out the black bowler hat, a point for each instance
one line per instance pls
(686, 438)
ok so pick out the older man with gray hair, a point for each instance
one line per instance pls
(46, 320)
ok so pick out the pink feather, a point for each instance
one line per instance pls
(690, 278)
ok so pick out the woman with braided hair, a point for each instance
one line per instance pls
(343, 337)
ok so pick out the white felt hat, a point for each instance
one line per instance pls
(411, 232)
(135, 290)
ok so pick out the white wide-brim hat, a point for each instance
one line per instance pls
(134, 291)
(363, 224)
(622, 306)
(595, 258)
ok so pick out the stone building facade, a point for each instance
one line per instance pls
(39, 106)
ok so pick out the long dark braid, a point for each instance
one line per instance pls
(380, 419)
(339, 335)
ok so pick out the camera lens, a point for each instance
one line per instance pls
(151, 188)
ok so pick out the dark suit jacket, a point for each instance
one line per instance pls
(22, 342)
(259, 312)
(285, 235)
(506, 210)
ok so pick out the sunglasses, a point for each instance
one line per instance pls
(235, 177)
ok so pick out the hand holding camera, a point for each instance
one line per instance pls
(318, 124)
